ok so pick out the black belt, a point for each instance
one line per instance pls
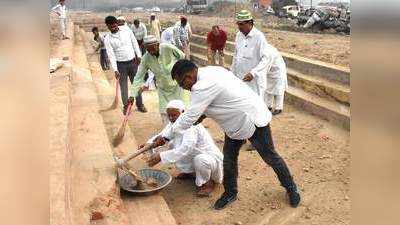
(125, 62)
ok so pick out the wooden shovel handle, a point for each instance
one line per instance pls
(145, 148)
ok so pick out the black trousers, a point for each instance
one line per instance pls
(127, 70)
(104, 59)
(262, 141)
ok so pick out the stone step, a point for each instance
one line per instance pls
(325, 108)
(93, 186)
(316, 85)
(320, 87)
(329, 110)
(303, 65)
(147, 210)
(59, 149)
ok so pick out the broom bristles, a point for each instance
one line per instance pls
(120, 135)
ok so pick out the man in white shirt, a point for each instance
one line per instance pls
(167, 36)
(276, 81)
(140, 31)
(250, 59)
(193, 152)
(124, 54)
(182, 34)
(122, 23)
(61, 10)
(240, 112)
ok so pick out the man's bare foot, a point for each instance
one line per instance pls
(206, 189)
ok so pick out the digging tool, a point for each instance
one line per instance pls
(142, 150)
(121, 131)
(126, 177)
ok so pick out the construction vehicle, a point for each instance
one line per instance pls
(193, 6)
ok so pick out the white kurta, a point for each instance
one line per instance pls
(62, 11)
(193, 150)
(277, 74)
(167, 36)
(251, 56)
(229, 101)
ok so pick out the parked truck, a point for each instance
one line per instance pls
(194, 6)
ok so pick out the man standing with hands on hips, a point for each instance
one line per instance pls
(125, 55)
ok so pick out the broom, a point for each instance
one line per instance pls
(121, 131)
(114, 105)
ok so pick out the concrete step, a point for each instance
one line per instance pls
(329, 110)
(303, 65)
(59, 149)
(325, 88)
(147, 210)
(321, 87)
(93, 186)
(326, 108)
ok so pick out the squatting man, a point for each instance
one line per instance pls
(193, 152)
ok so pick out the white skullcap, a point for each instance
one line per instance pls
(152, 14)
(150, 39)
(176, 104)
(121, 18)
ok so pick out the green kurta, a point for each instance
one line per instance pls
(167, 88)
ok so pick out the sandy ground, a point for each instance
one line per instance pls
(331, 48)
(317, 153)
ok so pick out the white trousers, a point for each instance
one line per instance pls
(63, 26)
(206, 167)
(277, 99)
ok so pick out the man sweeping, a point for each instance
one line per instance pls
(250, 59)
(240, 112)
(159, 59)
(61, 10)
(100, 47)
(124, 54)
(193, 152)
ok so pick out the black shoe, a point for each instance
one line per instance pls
(270, 109)
(142, 109)
(276, 112)
(294, 198)
(224, 200)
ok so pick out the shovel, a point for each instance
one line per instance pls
(121, 131)
(126, 177)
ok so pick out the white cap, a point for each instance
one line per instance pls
(150, 39)
(121, 18)
(176, 104)
(152, 14)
